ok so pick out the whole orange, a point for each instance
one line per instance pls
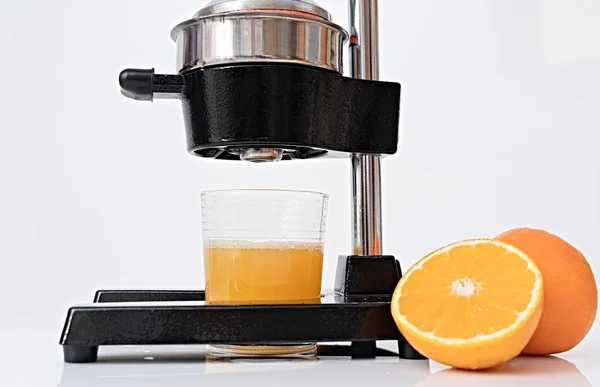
(570, 292)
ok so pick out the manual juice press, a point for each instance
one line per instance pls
(259, 81)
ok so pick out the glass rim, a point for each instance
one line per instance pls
(263, 190)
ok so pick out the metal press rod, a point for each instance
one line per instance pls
(366, 168)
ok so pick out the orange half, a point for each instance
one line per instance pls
(473, 304)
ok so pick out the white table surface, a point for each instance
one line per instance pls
(32, 357)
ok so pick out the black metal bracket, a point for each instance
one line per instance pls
(304, 111)
(358, 312)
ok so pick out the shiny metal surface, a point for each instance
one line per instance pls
(226, 6)
(368, 38)
(256, 35)
(258, 155)
(366, 168)
(366, 204)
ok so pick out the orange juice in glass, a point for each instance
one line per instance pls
(263, 247)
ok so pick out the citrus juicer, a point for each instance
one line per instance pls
(262, 81)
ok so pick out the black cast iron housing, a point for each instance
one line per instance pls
(305, 111)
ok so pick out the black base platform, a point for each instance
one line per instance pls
(357, 312)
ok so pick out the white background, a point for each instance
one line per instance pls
(499, 128)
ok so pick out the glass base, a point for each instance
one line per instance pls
(293, 351)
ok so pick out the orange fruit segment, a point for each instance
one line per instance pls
(472, 304)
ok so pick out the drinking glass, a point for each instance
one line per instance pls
(263, 247)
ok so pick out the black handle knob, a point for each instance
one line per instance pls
(144, 85)
(137, 84)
